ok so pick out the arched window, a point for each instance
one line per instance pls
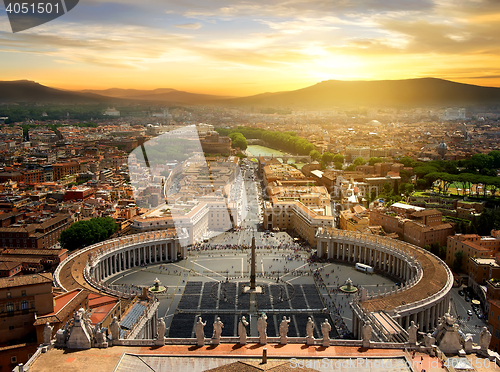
(24, 305)
(10, 306)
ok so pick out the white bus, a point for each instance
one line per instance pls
(364, 268)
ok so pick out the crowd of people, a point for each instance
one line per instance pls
(338, 304)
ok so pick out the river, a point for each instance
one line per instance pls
(257, 150)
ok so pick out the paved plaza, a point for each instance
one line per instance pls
(209, 283)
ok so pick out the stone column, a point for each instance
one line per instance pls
(174, 255)
(355, 324)
(426, 320)
(421, 321)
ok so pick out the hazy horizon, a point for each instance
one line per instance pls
(242, 48)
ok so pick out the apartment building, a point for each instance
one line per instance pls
(414, 225)
(472, 245)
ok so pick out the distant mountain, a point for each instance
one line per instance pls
(160, 95)
(411, 92)
(30, 91)
(125, 93)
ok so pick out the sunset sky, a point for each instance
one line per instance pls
(248, 47)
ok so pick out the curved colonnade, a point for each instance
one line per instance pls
(427, 280)
(423, 298)
(110, 257)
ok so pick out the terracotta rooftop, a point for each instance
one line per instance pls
(8, 265)
(18, 281)
(433, 280)
(56, 360)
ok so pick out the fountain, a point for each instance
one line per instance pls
(348, 287)
(157, 287)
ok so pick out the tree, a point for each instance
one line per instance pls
(386, 188)
(405, 175)
(338, 165)
(359, 161)
(406, 189)
(338, 158)
(407, 161)
(422, 184)
(395, 191)
(457, 263)
(239, 141)
(373, 160)
(422, 170)
(315, 155)
(327, 157)
(88, 232)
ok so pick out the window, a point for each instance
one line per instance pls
(13, 359)
(11, 328)
(10, 307)
(24, 305)
(23, 293)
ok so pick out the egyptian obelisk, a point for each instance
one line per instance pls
(252, 267)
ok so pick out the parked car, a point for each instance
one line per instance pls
(469, 312)
(467, 299)
(461, 293)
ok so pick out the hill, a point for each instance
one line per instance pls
(30, 91)
(160, 95)
(382, 93)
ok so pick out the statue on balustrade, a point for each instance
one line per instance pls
(484, 339)
(200, 334)
(367, 333)
(325, 330)
(412, 333)
(114, 328)
(218, 325)
(162, 328)
(309, 332)
(262, 328)
(284, 330)
(242, 330)
(47, 333)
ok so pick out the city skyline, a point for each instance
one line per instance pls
(242, 48)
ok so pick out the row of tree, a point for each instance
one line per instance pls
(88, 232)
(484, 164)
(442, 181)
(285, 141)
